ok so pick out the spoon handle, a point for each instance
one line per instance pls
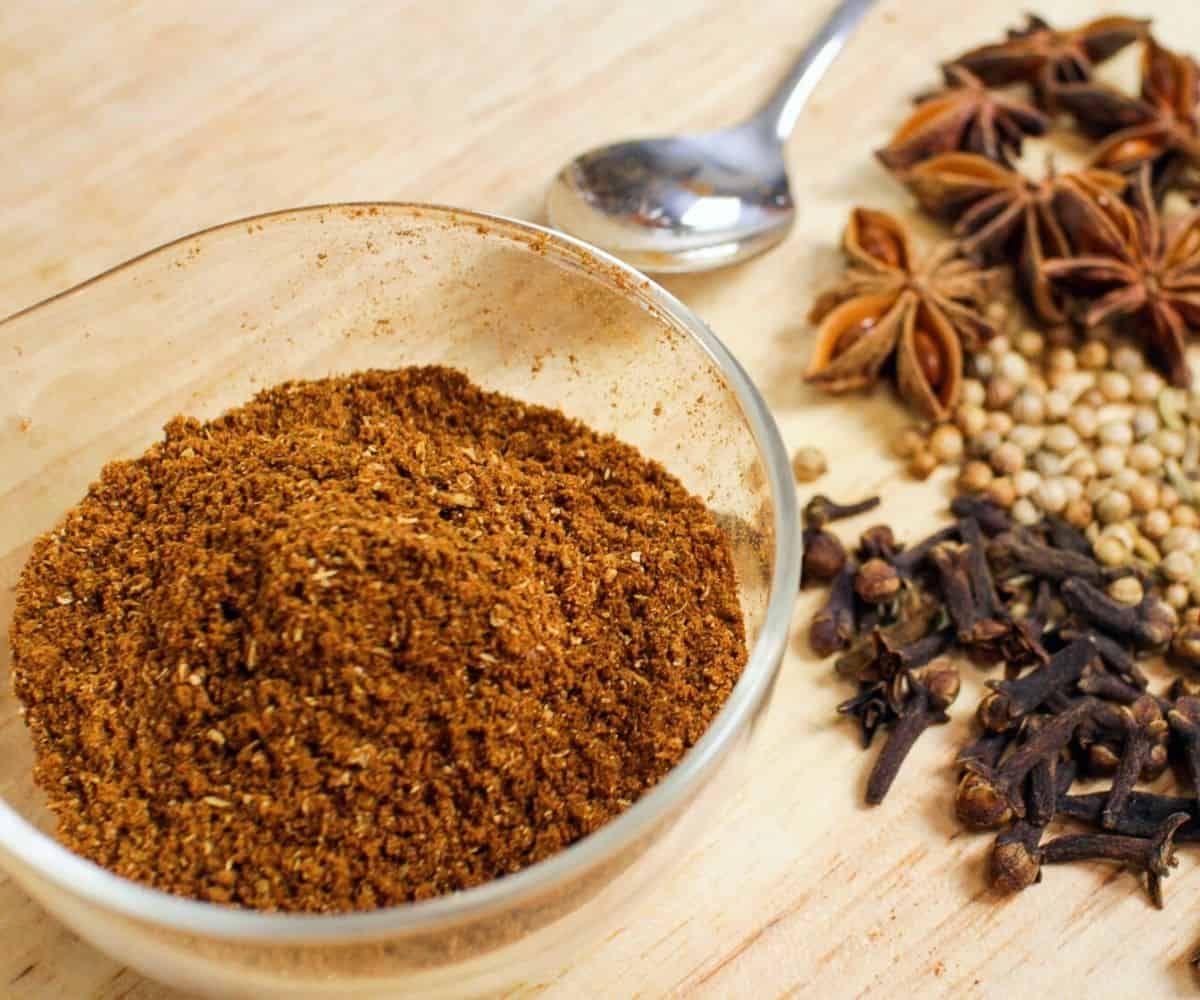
(781, 111)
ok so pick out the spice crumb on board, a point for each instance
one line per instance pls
(298, 667)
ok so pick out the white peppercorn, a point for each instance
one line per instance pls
(1109, 551)
(972, 392)
(1128, 360)
(1127, 590)
(999, 421)
(1114, 386)
(971, 419)
(1144, 495)
(974, 477)
(1007, 458)
(1145, 421)
(1084, 421)
(1116, 432)
(1030, 343)
(1113, 506)
(1093, 355)
(1180, 538)
(1025, 481)
(1185, 516)
(1025, 512)
(946, 443)
(983, 443)
(1061, 439)
(1177, 566)
(1083, 469)
(1050, 495)
(1028, 408)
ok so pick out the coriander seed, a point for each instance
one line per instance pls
(808, 464)
(1001, 492)
(1114, 386)
(1061, 439)
(1128, 360)
(1078, 513)
(1083, 469)
(1084, 421)
(1093, 355)
(970, 419)
(1145, 386)
(1144, 457)
(1156, 524)
(1108, 459)
(972, 393)
(1060, 359)
(1001, 391)
(1030, 343)
(1145, 422)
(1178, 596)
(1177, 566)
(1113, 506)
(1185, 515)
(1007, 458)
(1144, 496)
(1000, 422)
(1127, 590)
(946, 443)
(1025, 512)
(922, 464)
(1109, 551)
(1050, 496)
(1058, 405)
(1028, 408)
(1028, 438)
(975, 476)
(1013, 367)
(1025, 481)
(908, 442)
(1115, 432)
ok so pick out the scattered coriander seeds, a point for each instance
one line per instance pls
(1007, 458)
(1127, 590)
(808, 464)
(908, 442)
(1114, 386)
(975, 476)
(1113, 506)
(1025, 512)
(1093, 355)
(1177, 566)
(946, 443)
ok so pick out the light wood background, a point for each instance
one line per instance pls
(125, 125)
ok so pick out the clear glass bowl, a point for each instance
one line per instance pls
(200, 325)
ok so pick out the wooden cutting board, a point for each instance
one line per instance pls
(127, 125)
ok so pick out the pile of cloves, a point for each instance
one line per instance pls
(1066, 631)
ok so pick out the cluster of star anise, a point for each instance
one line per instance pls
(1089, 247)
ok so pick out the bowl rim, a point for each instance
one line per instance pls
(53, 862)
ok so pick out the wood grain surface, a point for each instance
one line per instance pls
(126, 125)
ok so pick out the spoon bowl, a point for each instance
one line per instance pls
(696, 202)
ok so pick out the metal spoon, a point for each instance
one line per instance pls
(691, 203)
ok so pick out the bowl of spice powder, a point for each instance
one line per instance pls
(391, 592)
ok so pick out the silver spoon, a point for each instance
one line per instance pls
(695, 202)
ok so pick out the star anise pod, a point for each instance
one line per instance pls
(1161, 128)
(965, 116)
(1047, 58)
(891, 307)
(1128, 264)
(1001, 215)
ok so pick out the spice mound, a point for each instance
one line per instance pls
(368, 640)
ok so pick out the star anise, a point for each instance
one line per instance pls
(1127, 264)
(1001, 215)
(965, 116)
(1161, 128)
(890, 306)
(1047, 58)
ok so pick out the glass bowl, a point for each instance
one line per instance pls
(200, 325)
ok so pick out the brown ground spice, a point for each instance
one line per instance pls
(367, 640)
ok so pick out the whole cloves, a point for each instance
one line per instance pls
(1009, 701)
(820, 510)
(877, 581)
(1142, 816)
(1153, 855)
(1145, 728)
(824, 555)
(1149, 624)
(1015, 864)
(930, 694)
(833, 625)
(1184, 720)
